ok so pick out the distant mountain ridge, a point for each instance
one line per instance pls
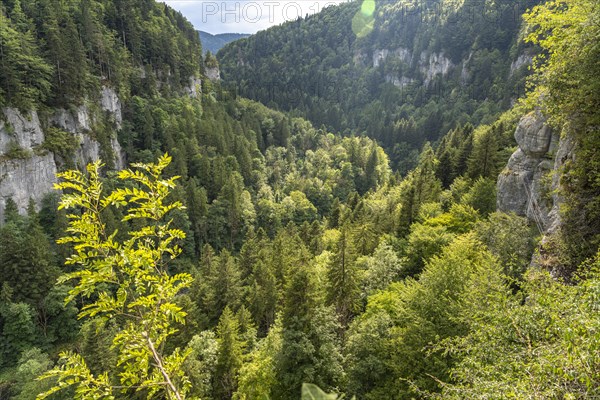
(214, 43)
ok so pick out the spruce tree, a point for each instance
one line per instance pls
(229, 356)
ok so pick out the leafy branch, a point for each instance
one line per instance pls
(128, 280)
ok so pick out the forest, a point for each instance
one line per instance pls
(426, 67)
(257, 249)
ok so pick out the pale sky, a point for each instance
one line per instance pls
(245, 16)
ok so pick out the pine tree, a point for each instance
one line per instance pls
(24, 74)
(263, 295)
(11, 211)
(484, 158)
(310, 348)
(223, 285)
(343, 289)
(27, 261)
(17, 331)
(229, 358)
(197, 210)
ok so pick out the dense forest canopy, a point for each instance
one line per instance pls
(214, 43)
(418, 70)
(60, 53)
(275, 248)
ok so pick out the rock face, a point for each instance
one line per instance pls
(528, 184)
(379, 56)
(402, 53)
(111, 103)
(523, 59)
(435, 64)
(399, 82)
(565, 151)
(195, 87)
(213, 73)
(27, 170)
(18, 131)
(430, 65)
(30, 174)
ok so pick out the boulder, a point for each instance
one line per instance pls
(533, 135)
(523, 187)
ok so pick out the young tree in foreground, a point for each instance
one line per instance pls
(128, 282)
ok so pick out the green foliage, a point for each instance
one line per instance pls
(60, 142)
(24, 74)
(420, 187)
(541, 343)
(27, 260)
(128, 280)
(258, 376)
(343, 289)
(313, 392)
(201, 363)
(220, 285)
(310, 347)
(565, 85)
(482, 196)
(16, 152)
(349, 79)
(566, 74)
(32, 363)
(510, 238)
(389, 350)
(18, 331)
(291, 230)
(424, 242)
(88, 43)
(380, 269)
(229, 355)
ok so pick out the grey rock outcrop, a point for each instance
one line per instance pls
(533, 136)
(522, 60)
(435, 64)
(33, 173)
(564, 153)
(79, 123)
(430, 65)
(194, 89)
(525, 186)
(27, 170)
(213, 73)
(20, 131)
(26, 179)
(399, 82)
(379, 56)
(111, 103)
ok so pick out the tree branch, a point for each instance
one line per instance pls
(160, 366)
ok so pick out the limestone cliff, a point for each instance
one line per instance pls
(27, 169)
(429, 65)
(529, 185)
(213, 73)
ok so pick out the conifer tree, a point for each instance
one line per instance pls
(229, 356)
(310, 348)
(343, 289)
(222, 286)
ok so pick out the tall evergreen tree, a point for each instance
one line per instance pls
(343, 289)
(229, 356)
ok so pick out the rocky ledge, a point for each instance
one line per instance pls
(528, 185)
(27, 169)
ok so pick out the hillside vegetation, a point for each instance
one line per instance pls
(416, 70)
(270, 249)
(214, 43)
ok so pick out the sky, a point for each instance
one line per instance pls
(245, 16)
